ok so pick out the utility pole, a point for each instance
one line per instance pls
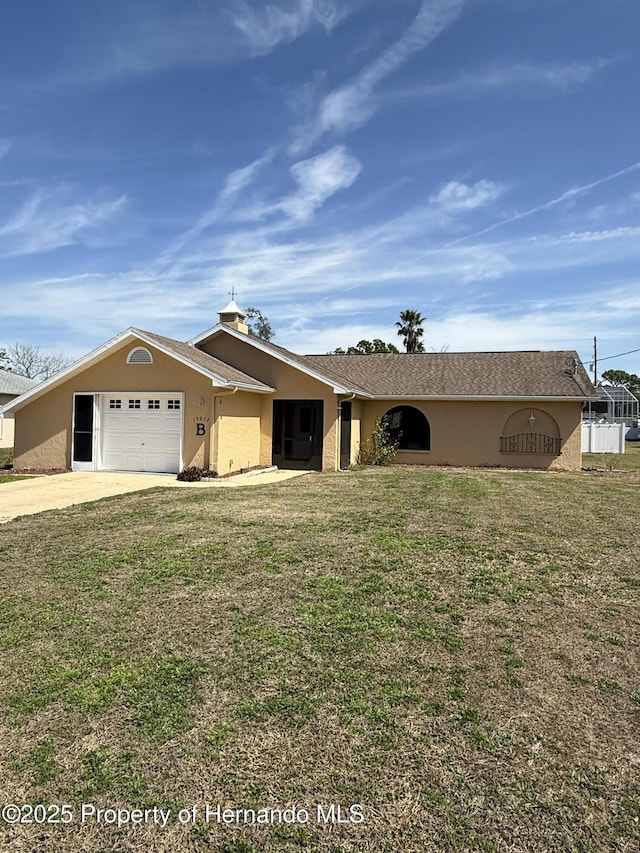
(595, 360)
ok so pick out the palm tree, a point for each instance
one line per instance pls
(410, 327)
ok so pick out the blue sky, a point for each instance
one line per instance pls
(336, 162)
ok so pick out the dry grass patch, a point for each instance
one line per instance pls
(455, 650)
(614, 462)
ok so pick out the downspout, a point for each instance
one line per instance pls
(229, 392)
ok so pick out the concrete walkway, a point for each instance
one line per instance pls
(26, 497)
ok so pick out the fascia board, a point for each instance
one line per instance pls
(242, 386)
(101, 352)
(255, 342)
(209, 333)
(72, 370)
(215, 378)
(484, 397)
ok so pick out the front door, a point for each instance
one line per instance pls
(297, 434)
(83, 449)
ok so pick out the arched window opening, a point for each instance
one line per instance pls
(409, 427)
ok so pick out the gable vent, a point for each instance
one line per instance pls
(140, 355)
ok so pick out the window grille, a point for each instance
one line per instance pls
(530, 442)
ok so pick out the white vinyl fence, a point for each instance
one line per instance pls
(603, 438)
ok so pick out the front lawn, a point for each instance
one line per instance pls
(627, 461)
(456, 651)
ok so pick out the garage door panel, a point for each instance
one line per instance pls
(141, 439)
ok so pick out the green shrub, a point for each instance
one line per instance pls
(379, 448)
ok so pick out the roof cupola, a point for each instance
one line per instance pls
(232, 316)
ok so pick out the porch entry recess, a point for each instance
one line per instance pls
(297, 434)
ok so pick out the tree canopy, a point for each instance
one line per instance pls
(365, 347)
(621, 378)
(30, 361)
(259, 325)
(410, 328)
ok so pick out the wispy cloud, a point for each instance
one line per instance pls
(563, 77)
(568, 195)
(5, 145)
(266, 25)
(145, 37)
(319, 178)
(45, 222)
(455, 198)
(352, 105)
(235, 182)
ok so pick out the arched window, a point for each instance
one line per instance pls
(409, 427)
(140, 355)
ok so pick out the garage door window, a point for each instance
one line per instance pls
(115, 404)
(134, 404)
(173, 404)
(153, 404)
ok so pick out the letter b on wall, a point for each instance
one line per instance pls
(200, 429)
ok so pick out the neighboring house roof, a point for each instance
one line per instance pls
(554, 374)
(11, 383)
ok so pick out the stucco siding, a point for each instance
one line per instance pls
(44, 426)
(237, 432)
(468, 432)
(290, 384)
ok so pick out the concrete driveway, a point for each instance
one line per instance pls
(26, 497)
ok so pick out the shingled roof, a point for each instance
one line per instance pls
(208, 362)
(11, 383)
(461, 374)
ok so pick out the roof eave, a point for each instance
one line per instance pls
(68, 372)
(517, 398)
(215, 378)
(255, 342)
(243, 386)
(102, 351)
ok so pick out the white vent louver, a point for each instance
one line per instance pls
(140, 355)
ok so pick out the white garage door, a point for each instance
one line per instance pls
(141, 432)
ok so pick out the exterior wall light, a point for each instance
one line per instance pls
(201, 401)
(531, 419)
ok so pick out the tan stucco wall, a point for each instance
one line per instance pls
(290, 384)
(468, 432)
(237, 432)
(44, 427)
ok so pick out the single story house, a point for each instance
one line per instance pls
(229, 401)
(11, 386)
